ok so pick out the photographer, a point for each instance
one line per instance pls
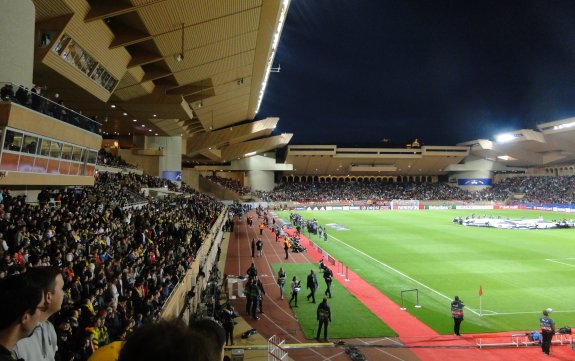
(281, 281)
(227, 316)
(295, 288)
(457, 314)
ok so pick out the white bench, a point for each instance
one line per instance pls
(522, 339)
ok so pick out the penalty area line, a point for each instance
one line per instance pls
(563, 263)
(494, 313)
(398, 272)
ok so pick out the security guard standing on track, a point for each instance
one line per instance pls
(254, 296)
(547, 331)
(324, 318)
(457, 314)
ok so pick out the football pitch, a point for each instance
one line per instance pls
(521, 271)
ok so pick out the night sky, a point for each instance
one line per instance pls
(354, 72)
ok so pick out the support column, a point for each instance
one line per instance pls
(261, 180)
(170, 164)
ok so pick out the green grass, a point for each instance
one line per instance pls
(350, 317)
(521, 271)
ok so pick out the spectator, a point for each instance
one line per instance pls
(43, 343)
(172, 340)
(20, 302)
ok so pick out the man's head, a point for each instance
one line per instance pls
(51, 281)
(173, 340)
(457, 298)
(545, 312)
(20, 302)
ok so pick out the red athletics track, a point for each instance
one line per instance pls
(420, 342)
(278, 318)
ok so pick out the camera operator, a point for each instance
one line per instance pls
(457, 314)
(227, 316)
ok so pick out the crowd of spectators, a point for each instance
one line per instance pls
(119, 264)
(111, 160)
(232, 184)
(136, 182)
(543, 189)
(349, 192)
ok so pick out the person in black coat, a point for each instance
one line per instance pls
(324, 318)
(312, 285)
(228, 316)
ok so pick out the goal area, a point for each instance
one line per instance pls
(404, 204)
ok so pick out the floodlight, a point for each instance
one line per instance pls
(505, 137)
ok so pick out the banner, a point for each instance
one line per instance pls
(173, 175)
(437, 207)
(474, 207)
(474, 182)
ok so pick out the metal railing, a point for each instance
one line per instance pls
(55, 109)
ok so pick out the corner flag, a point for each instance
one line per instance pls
(480, 290)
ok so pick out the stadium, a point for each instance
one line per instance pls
(135, 162)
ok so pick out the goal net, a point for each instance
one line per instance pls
(399, 204)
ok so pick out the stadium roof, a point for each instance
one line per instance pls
(184, 68)
(198, 69)
(331, 160)
(551, 145)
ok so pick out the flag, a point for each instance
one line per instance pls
(480, 290)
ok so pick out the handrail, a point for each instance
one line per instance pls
(21, 95)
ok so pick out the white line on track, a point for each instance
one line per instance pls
(381, 349)
(270, 298)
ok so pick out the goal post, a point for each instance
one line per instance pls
(404, 294)
(405, 204)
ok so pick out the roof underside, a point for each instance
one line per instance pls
(184, 67)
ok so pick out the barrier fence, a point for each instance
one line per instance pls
(276, 350)
(342, 269)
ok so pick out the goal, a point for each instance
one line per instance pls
(399, 204)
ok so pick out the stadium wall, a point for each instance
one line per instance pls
(149, 164)
(260, 180)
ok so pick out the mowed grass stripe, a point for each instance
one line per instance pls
(512, 265)
(350, 317)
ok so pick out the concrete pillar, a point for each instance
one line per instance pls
(17, 22)
(261, 180)
(171, 161)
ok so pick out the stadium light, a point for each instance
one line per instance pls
(564, 126)
(274, 45)
(503, 157)
(504, 138)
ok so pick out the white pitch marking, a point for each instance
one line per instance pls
(399, 272)
(563, 263)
